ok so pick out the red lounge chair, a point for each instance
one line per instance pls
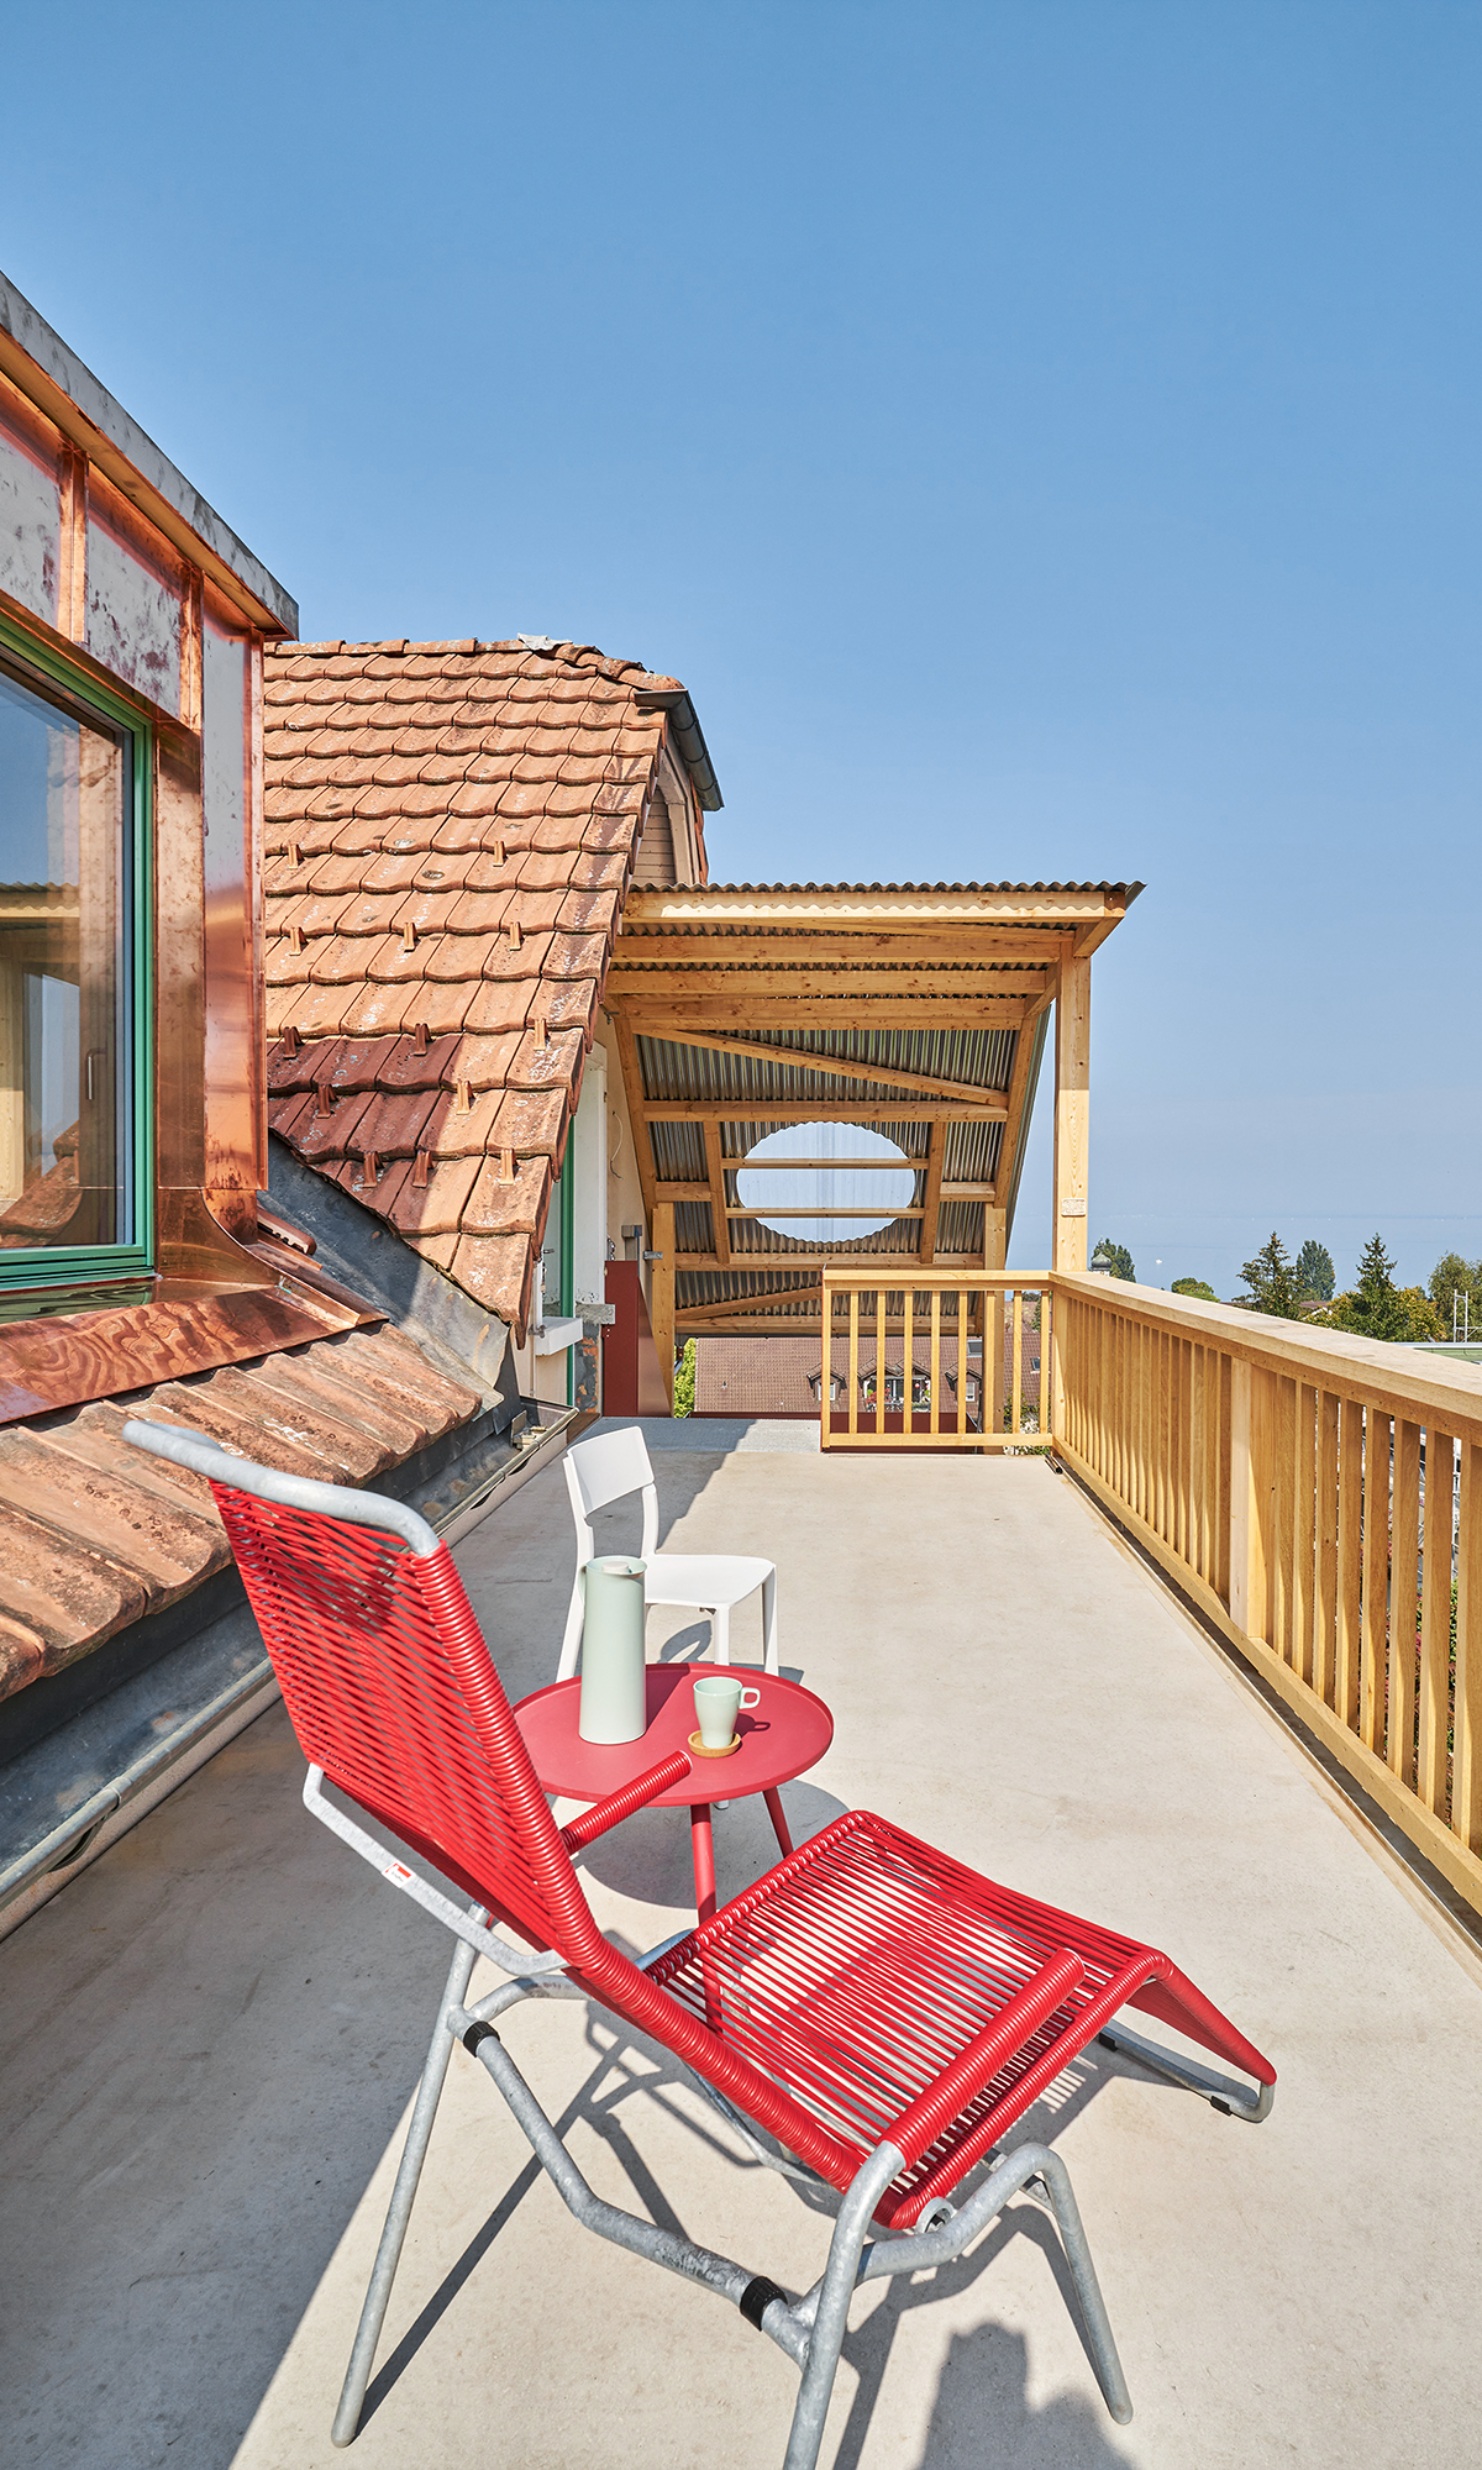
(877, 2011)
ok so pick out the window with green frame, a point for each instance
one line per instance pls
(76, 1179)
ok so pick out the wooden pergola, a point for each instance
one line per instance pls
(919, 1010)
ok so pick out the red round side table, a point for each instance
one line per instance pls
(782, 1737)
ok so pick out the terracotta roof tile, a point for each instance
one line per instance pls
(499, 1204)
(423, 800)
(435, 1207)
(373, 1010)
(495, 1269)
(393, 1123)
(463, 1120)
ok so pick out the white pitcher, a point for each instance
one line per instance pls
(613, 1674)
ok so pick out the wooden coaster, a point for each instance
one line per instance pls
(698, 1746)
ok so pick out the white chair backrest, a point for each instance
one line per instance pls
(604, 1469)
(608, 1466)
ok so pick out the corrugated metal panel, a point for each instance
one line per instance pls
(960, 1227)
(749, 1235)
(739, 1139)
(1111, 891)
(711, 1286)
(970, 1153)
(694, 1228)
(977, 1058)
(679, 1153)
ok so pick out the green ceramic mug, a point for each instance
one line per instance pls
(718, 1702)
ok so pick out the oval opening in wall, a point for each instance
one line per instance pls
(801, 1181)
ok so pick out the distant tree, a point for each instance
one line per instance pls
(684, 1380)
(1272, 1282)
(1457, 1282)
(1195, 1286)
(1315, 1272)
(1376, 1308)
(1117, 1259)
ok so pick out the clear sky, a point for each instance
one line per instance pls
(1044, 437)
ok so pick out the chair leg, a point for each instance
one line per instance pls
(831, 2320)
(769, 1620)
(571, 1640)
(720, 1634)
(403, 2196)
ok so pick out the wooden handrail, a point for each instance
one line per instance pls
(1318, 1497)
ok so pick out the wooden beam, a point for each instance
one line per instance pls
(671, 1191)
(661, 1294)
(1015, 1124)
(823, 1209)
(790, 1166)
(1072, 1113)
(715, 1167)
(931, 947)
(658, 1016)
(803, 1325)
(654, 1017)
(886, 908)
(820, 1110)
(834, 1067)
(760, 981)
(936, 1152)
(643, 1148)
(797, 1260)
(724, 1305)
(969, 1192)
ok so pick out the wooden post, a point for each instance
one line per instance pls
(662, 1294)
(1072, 1112)
(1247, 1564)
(1466, 1790)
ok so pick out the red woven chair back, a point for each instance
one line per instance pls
(392, 1691)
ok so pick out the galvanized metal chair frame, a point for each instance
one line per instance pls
(386, 1679)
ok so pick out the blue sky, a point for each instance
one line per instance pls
(1044, 438)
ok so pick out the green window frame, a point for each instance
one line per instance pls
(85, 1266)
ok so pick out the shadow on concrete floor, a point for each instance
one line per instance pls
(982, 2400)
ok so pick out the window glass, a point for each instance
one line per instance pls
(64, 837)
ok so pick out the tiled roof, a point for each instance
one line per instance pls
(449, 831)
(95, 1535)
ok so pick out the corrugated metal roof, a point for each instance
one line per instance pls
(980, 1059)
(1109, 891)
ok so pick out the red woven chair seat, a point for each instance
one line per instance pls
(855, 1972)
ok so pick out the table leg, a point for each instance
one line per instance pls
(702, 1847)
(773, 1801)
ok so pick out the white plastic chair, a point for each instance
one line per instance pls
(607, 1468)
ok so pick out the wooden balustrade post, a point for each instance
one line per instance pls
(1247, 1559)
(1466, 1789)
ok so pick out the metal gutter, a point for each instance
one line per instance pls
(689, 737)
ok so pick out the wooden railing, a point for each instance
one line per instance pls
(1318, 1497)
(939, 1363)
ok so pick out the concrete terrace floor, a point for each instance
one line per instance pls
(210, 2039)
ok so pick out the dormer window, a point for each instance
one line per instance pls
(74, 1197)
